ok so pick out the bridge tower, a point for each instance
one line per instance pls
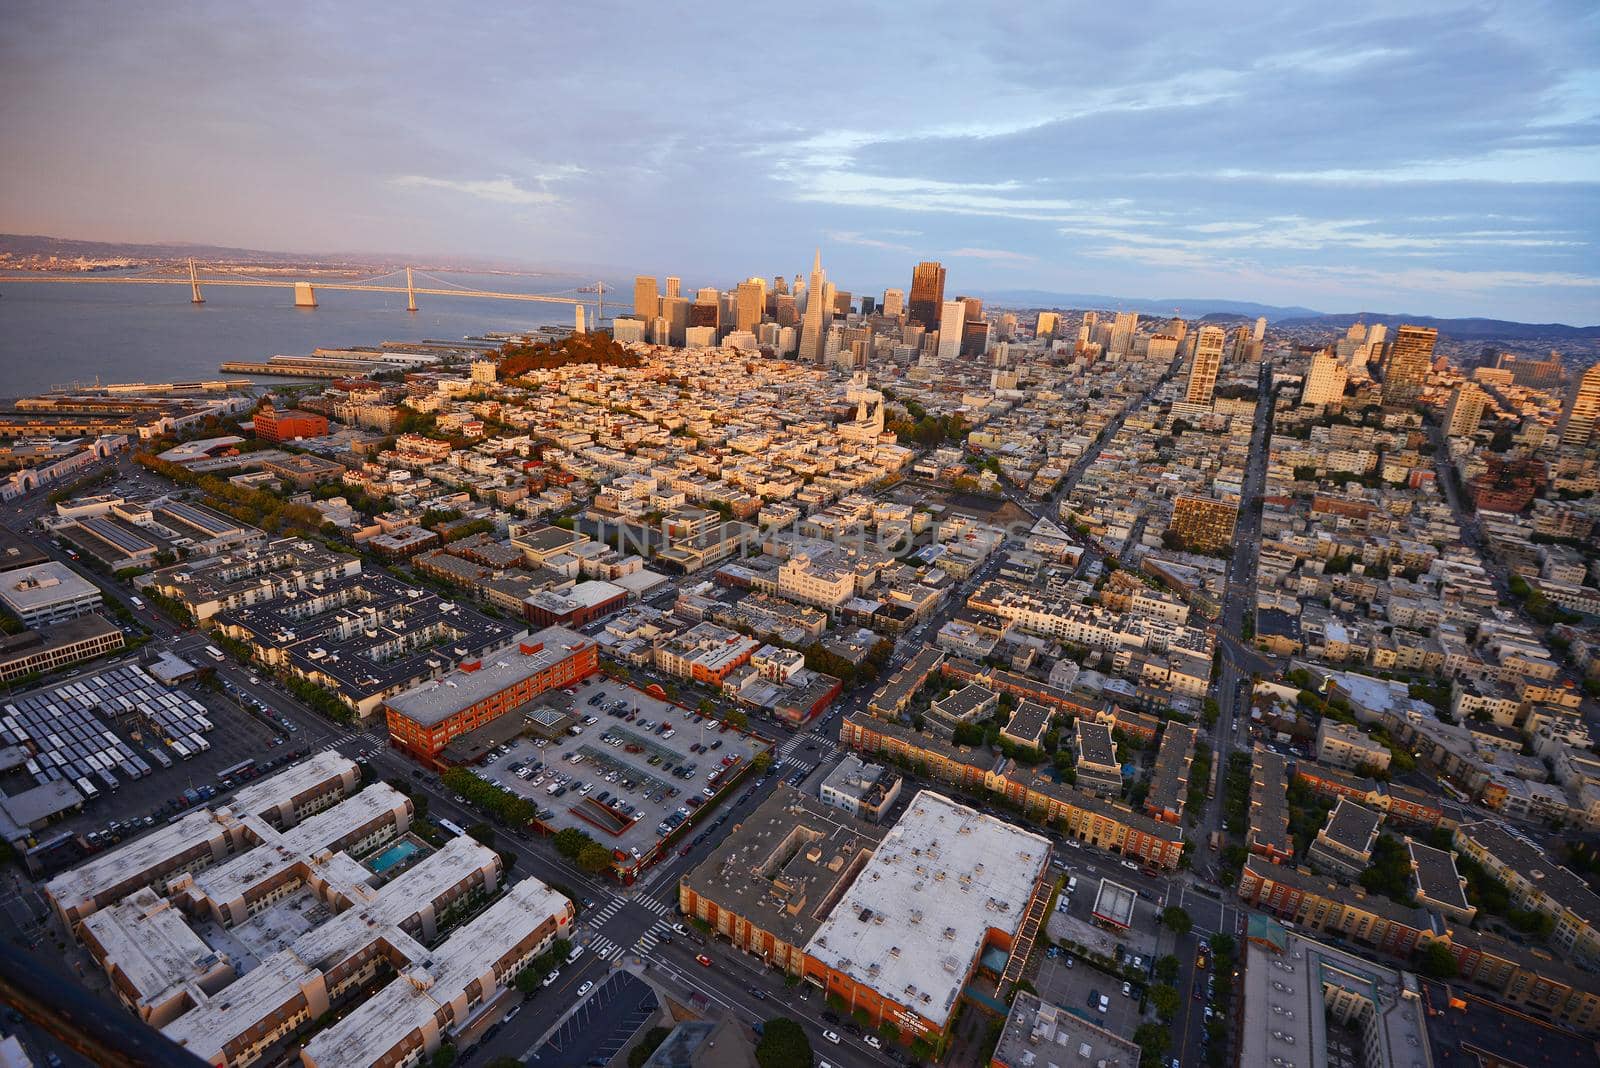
(411, 293)
(304, 295)
(194, 285)
(600, 308)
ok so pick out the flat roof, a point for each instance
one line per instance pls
(1041, 1035)
(320, 769)
(1353, 826)
(28, 589)
(421, 992)
(784, 864)
(1550, 878)
(913, 923)
(1170, 783)
(1436, 874)
(1094, 744)
(1285, 1010)
(1114, 903)
(1029, 722)
(143, 854)
(150, 942)
(439, 699)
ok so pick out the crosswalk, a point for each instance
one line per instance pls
(347, 736)
(608, 910)
(809, 761)
(650, 904)
(652, 938)
(604, 948)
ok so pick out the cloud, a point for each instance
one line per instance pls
(994, 255)
(494, 190)
(860, 240)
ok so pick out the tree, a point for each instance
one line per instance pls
(594, 857)
(707, 707)
(443, 1057)
(1437, 962)
(762, 761)
(783, 1045)
(1153, 1041)
(736, 719)
(569, 842)
(1222, 946)
(1167, 969)
(1164, 998)
(1176, 920)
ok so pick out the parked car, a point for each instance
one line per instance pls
(831, 1036)
(705, 962)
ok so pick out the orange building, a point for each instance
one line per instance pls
(424, 719)
(275, 426)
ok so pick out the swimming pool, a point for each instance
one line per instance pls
(398, 853)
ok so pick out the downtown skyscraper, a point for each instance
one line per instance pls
(927, 294)
(818, 316)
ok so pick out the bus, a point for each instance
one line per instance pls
(214, 653)
(454, 830)
(236, 770)
(136, 602)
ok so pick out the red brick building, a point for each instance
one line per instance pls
(286, 425)
(424, 719)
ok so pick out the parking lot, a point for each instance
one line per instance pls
(627, 770)
(1074, 920)
(1075, 986)
(144, 717)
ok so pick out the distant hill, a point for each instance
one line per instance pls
(1460, 329)
(1231, 311)
(1188, 308)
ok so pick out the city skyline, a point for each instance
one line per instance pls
(1187, 165)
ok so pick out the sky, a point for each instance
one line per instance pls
(1439, 159)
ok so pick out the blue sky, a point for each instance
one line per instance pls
(1428, 158)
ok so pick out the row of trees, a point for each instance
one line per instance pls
(582, 850)
(500, 804)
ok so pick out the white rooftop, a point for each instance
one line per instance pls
(916, 919)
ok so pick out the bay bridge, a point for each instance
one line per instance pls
(305, 293)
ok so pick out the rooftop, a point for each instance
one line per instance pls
(1436, 875)
(915, 920)
(1040, 1035)
(439, 699)
(30, 589)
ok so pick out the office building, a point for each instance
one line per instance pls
(646, 300)
(674, 286)
(1047, 324)
(1260, 332)
(423, 720)
(952, 319)
(57, 645)
(1325, 380)
(818, 316)
(1405, 371)
(894, 303)
(1038, 1034)
(274, 425)
(1465, 410)
(974, 339)
(927, 294)
(1580, 414)
(47, 593)
(1122, 330)
(751, 297)
(1207, 362)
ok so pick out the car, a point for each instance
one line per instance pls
(705, 962)
(831, 1036)
(588, 902)
(1209, 1012)
(872, 1040)
(550, 980)
(511, 1013)
(1127, 990)
(588, 985)
(679, 928)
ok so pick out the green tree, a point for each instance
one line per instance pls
(1164, 999)
(1166, 969)
(1153, 1041)
(595, 857)
(1437, 962)
(737, 719)
(443, 1057)
(1175, 919)
(783, 1045)
(762, 761)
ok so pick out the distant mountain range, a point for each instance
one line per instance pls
(1239, 310)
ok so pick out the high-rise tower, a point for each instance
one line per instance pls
(818, 317)
(927, 294)
(1207, 361)
(646, 299)
(1581, 411)
(1410, 357)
